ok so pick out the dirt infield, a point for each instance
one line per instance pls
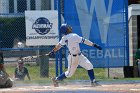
(77, 87)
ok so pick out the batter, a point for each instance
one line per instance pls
(75, 57)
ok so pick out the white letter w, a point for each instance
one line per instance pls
(85, 16)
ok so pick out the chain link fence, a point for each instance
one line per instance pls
(13, 30)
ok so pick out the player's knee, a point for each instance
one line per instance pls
(90, 67)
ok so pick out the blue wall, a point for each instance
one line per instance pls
(103, 22)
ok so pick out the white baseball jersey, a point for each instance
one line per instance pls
(72, 42)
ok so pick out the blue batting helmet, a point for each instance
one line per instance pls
(63, 29)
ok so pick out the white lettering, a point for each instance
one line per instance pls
(114, 53)
(42, 26)
(119, 53)
(86, 17)
(99, 54)
(108, 53)
(92, 53)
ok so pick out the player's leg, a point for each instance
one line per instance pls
(73, 62)
(85, 63)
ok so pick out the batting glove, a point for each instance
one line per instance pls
(97, 46)
(51, 53)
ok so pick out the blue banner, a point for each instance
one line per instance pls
(102, 22)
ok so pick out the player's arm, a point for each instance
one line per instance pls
(55, 49)
(89, 43)
(58, 46)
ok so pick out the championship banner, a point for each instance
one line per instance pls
(41, 28)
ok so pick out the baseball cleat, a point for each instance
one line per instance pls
(55, 82)
(94, 84)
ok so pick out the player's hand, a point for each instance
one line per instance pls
(97, 46)
(51, 53)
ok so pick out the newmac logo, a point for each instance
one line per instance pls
(42, 26)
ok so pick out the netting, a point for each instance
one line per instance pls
(101, 22)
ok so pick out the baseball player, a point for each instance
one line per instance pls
(5, 80)
(21, 71)
(75, 57)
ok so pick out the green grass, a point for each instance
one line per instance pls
(80, 74)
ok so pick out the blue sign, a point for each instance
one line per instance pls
(102, 22)
(42, 26)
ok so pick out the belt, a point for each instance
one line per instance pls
(75, 54)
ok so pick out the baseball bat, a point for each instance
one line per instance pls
(30, 57)
(43, 55)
